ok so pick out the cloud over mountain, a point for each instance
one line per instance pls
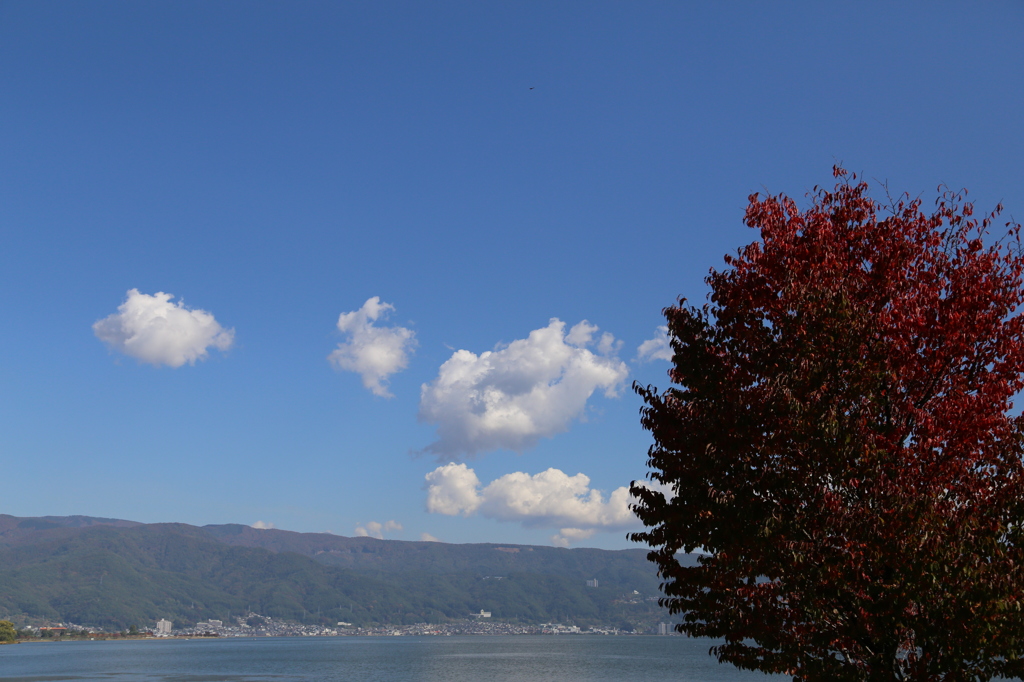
(373, 352)
(517, 394)
(154, 330)
(375, 529)
(550, 499)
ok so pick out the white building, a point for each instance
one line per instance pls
(163, 627)
(592, 583)
(482, 614)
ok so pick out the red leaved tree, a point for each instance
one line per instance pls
(839, 443)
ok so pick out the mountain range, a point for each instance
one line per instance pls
(113, 573)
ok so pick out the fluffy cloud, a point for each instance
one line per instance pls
(375, 353)
(513, 396)
(453, 489)
(550, 499)
(154, 330)
(657, 348)
(376, 530)
(567, 536)
(427, 537)
(262, 525)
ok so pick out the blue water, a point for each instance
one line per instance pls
(566, 658)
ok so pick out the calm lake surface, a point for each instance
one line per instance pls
(566, 658)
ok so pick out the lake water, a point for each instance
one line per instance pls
(567, 658)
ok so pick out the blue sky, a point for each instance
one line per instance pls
(454, 176)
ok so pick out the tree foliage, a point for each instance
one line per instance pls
(839, 441)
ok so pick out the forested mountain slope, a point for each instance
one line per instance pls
(113, 573)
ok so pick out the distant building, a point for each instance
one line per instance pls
(482, 614)
(592, 583)
(163, 627)
(662, 628)
(216, 623)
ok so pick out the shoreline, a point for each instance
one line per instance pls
(200, 638)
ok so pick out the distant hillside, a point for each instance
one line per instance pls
(114, 573)
(624, 567)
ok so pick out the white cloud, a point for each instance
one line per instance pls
(427, 537)
(373, 529)
(262, 525)
(582, 334)
(453, 490)
(154, 330)
(657, 348)
(608, 345)
(375, 353)
(550, 499)
(517, 394)
(567, 536)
